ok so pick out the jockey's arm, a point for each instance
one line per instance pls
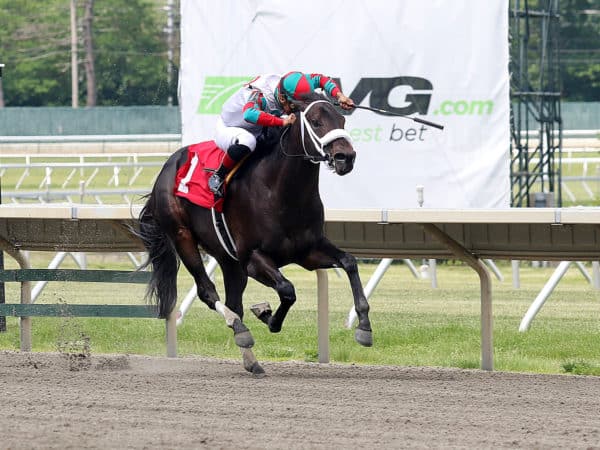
(254, 112)
(331, 88)
(324, 82)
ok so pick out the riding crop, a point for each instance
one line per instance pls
(390, 113)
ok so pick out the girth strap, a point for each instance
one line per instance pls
(223, 233)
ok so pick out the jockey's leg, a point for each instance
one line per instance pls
(238, 143)
(233, 155)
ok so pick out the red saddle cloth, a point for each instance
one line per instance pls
(191, 181)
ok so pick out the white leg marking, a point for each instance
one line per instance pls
(228, 314)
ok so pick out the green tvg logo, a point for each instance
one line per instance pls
(216, 91)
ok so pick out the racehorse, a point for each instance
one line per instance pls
(275, 216)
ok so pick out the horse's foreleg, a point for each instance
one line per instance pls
(187, 248)
(327, 255)
(243, 337)
(263, 269)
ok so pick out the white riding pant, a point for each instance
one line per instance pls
(226, 136)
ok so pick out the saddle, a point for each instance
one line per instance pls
(191, 181)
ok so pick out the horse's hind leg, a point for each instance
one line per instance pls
(264, 270)
(187, 248)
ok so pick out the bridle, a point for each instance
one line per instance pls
(319, 142)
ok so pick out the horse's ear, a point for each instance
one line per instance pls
(307, 99)
(303, 103)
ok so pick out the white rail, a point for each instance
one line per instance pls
(65, 180)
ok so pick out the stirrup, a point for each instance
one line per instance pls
(215, 185)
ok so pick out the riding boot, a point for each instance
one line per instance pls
(233, 155)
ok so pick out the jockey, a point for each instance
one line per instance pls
(266, 101)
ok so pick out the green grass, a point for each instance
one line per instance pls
(413, 324)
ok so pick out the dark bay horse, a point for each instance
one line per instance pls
(275, 216)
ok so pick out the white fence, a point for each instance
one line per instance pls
(97, 178)
(123, 159)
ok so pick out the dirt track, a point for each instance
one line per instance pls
(141, 402)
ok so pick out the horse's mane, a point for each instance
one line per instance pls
(267, 141)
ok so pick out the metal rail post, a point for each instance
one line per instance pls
(485, 282)
(539, 301)
(323, 315)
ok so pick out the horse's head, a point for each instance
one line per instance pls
(323, 135)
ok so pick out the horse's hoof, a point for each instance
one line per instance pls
(364, 337)
(273, 328)
(251, 364)
(255, 369)
(244, 339)
(258, 371)
(262, 310)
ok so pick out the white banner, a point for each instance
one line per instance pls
(446, 62)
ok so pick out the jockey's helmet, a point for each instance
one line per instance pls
(294, 86)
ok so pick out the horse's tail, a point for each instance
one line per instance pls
(162, 256)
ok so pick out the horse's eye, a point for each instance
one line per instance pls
(317, 123)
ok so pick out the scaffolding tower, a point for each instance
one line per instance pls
(536, 124)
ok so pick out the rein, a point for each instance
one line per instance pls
(318, 142)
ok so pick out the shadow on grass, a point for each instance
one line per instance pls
(580, 368)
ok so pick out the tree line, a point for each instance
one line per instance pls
(121, 46)
(123, 55)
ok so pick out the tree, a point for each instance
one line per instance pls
(90, 71)
(1, 90)
(578, 46)
(580, 49)
(124, 43)
(131, 54)
(126, 60)
(35, 46)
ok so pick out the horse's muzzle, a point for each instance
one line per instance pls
(343, 162)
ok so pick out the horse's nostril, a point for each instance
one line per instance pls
(344, 157)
